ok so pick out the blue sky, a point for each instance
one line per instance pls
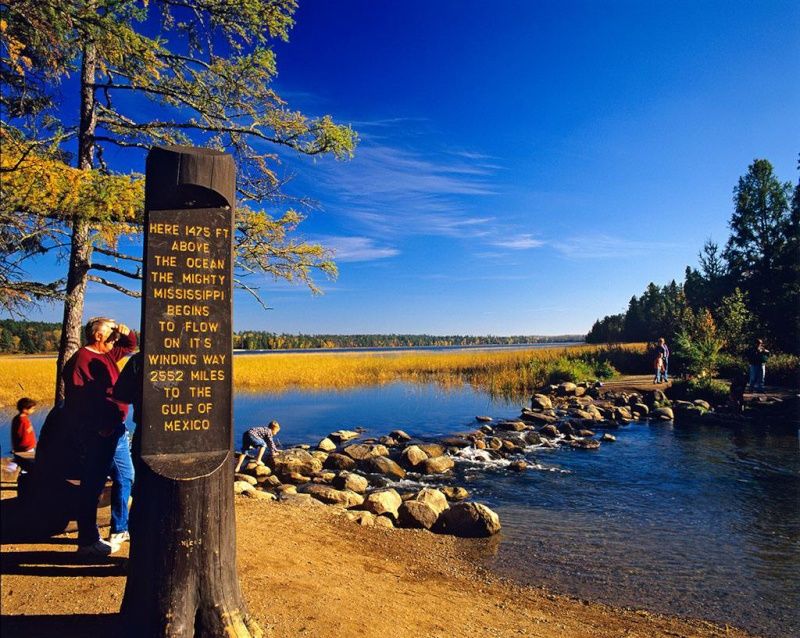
(524, 167)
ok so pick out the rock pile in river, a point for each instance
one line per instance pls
(358, 476)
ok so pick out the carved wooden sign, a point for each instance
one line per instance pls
(186, 314)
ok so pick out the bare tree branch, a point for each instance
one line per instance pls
(117, 271)
(238, 283)
(116, 254)
(111, 284)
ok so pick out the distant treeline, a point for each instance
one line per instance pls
(31, 337)
(257, 340)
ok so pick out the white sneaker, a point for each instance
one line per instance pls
(119, 538)
(98, 549)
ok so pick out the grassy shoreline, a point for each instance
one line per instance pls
(506, 373)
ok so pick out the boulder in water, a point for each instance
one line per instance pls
(469, 520)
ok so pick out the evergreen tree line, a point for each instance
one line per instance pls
(258, 340)
(748, 288)
(31, 337)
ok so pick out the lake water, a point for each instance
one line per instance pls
(692, 521)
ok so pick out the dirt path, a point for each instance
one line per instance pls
(306, 571)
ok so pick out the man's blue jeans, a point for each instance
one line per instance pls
(757, 374)
(666, 369)
(105, 456)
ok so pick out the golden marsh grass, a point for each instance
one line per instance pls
(504, 372)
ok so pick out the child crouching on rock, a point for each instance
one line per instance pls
(260, 437)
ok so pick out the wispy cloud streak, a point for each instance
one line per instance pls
(356, 248)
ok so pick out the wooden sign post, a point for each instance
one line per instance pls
(182, 578)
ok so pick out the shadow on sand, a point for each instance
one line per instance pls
(63, 626)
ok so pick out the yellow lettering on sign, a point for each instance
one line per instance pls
(163, 229)
(183, 246)
(207, 375)
(205, 264)
(187, 311)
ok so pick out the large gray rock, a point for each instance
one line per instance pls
(260, 495)
(622, 413)
(365, 519)
(469, 520)
(432, 449)
(340, 436)
(383, 465)
(240, 487)
(532, 438)
(455, 493)
(550, 431)
(413, 455)
(386, 501)
(538, 418)
(662, 414)
(541, 402)
(337, 461)
(434, 498)
(416, 515)
(332, 496)
(349, 481)
(364, 451)
(246, 478)
(511, 426)
(294, 460)
(437, 465)
(567, 388)
(585, 444)
(455, 441)
(399, 435)
(326, 445)
(640, 410)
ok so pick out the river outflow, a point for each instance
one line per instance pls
(696, 521)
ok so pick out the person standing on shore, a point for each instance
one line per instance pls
(23, 438)
(658, 365)
(89, 378)
(662, 345)
(757, 358)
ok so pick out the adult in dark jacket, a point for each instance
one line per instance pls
(757, 358)
(89, 378)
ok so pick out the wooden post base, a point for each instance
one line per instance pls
(182, 579)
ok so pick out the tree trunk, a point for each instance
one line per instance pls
(80, 256)
(79, 260)
(182, 580)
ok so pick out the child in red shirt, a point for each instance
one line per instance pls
(23, 438)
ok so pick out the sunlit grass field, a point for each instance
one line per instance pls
(500, 372)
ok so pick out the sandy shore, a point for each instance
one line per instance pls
(307, 571)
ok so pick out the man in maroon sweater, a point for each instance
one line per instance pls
(89, 378)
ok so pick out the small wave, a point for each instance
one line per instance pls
(409, 483)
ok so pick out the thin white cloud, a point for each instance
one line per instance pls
(393, 192)
(519, 242)
(356, 248)
(607, 247)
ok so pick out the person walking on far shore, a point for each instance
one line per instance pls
(662, 345)
(658, 365)
(757, 358)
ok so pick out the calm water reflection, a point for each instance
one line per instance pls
(693, 521)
